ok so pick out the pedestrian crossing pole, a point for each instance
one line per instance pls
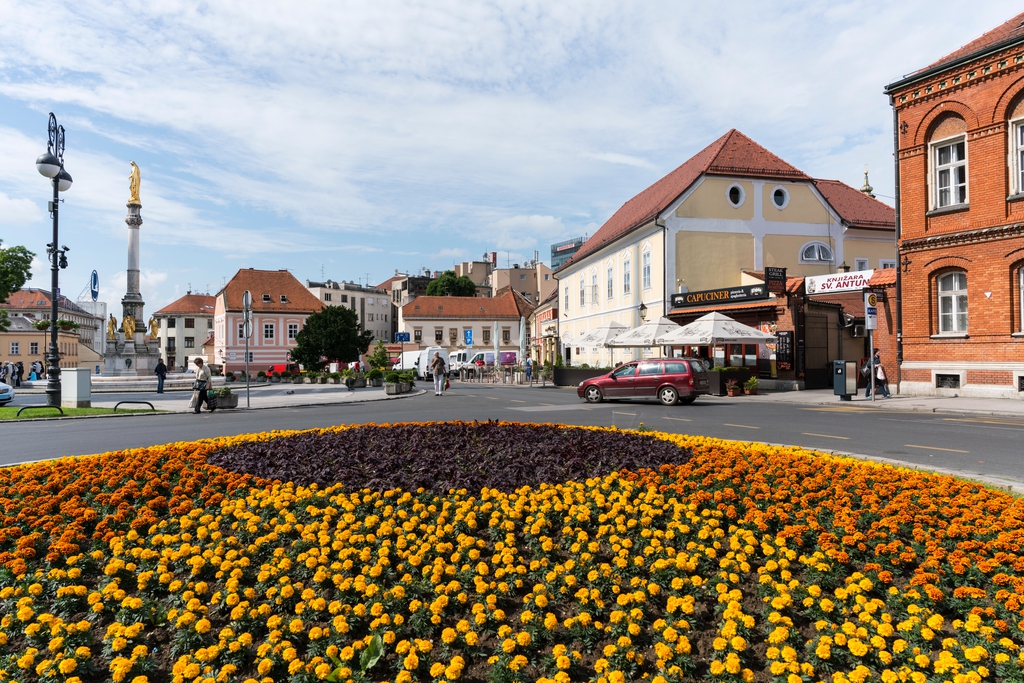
(247, 332)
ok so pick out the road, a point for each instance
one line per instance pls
(972, 446)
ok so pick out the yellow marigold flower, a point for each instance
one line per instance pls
(411, 662)
(264, 666)
(523, 638)
(472, 639)
(738, 644)
(437, 670)
(448, 636)
(66, 666)
(508, 645)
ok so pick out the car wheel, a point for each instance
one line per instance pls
(687, 400)
(668, 396)
(592, 394)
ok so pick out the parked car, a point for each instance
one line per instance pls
(6, 394)
(669, 380)
(456, 359)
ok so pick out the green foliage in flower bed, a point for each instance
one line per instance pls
(444, 456)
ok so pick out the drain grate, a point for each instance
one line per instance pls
(947, 381)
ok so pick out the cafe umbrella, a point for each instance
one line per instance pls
(714, 329)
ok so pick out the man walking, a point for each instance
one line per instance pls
(161, 374)
(437, 367)
(201, 386)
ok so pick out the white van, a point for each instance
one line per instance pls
(485, 358)
(457, 359)
(426, 358)
(407, 361)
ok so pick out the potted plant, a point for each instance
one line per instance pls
(750, 386)
(732, 387)
(225, 397)
(392, 383)
(375, 377)
(359, 380)
(285, 376)
(334, 378)
(229, 377)
(67, 325)
(261, 376)
(275, 377)
(41, 324)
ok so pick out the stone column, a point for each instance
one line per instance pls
(132, 303)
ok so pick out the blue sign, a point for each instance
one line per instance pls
(468, 335)
(401, 336)
(94, 285)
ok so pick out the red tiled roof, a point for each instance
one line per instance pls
(882, 277)
(749, 306)
(29, 298)
(512, 304)
(855, 207)
(386, 285)
(1004, 33)
(198, 304)
(732, 154)
(272, 282)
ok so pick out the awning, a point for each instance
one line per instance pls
(763, 305)
(645, 335)
(599, 337)
(715, 328)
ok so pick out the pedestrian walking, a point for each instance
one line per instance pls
(437, 367)
(5, 370)
(161, 375)
(19, 372)
(201, 387)
(881, 379)
(529, 370)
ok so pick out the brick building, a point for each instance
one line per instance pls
(959, 143)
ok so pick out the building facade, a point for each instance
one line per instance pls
(959, 144)
(371, 304)
(543, 326)
(184, 326)
(534, 280)
(22, 342)
(563, 251)
(708, 227)
(280, 306)
(34, 304)
(446, 320)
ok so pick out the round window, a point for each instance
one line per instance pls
(780, 197)
(736, 195)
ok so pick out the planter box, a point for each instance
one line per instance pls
(359, 383)
(275, 380)
(333, 380)
(308, 380)
(230, 379)
(230, 401)
(379, 382)
(392, 389)
(571, 377)
(717, 380)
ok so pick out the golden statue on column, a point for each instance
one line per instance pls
(134, 181)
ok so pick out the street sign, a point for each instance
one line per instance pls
(401, 336)
(247, 329)
(468, 336)
(232, 355)
(247, 300)
(870, 311)
(94, 285)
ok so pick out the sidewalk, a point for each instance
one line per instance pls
(1001, 407)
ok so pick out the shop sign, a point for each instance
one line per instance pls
(784, 349)
(838, 282)
(870, 311)
(775, 279)
(727, 295)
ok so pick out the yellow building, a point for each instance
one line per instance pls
(733, 208)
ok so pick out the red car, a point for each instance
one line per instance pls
(670, 380)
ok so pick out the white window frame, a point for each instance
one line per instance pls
(268, 332)
(1020, 295)
(625, 277)
(785, 194)
(611, 283)
(1016, 156)
(728, 195)
(884, 263)
(861, 264)
(593, 287)
(645, 270)
(15, 348)
(567, 297)
(241, 330)
(958, 305)
(819, 244)
(583, 291)
(293, 330)
(936, 170)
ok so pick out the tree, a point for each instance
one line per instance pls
(450, 284)
(15, 270)
(380, 358)
(331, 334)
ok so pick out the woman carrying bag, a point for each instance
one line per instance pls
(202, 388)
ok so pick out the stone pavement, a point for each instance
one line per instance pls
(1006, 407)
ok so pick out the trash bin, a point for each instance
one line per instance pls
(844, 379)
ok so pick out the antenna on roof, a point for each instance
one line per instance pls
(189, 288)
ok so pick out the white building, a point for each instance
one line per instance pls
(184, 326)
(371, 304)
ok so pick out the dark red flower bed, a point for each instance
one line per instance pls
(443, 456)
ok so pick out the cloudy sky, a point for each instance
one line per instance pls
(353, 138)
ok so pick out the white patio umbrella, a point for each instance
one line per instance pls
(497, 346)
(648, 334)
(599, 337)
(714, 328)
(522, 339)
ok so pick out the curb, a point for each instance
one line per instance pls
(185, 412)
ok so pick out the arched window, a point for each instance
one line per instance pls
(948, 162)
(953, 303)
(1020, 297)
(816, 252)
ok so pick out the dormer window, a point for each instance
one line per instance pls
(267, 299)
(284, 299)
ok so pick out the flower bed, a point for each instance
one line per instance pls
(741, 563)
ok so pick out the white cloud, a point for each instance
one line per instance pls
(625, 159)
(16, 212)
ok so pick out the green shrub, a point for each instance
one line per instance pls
(393, 377)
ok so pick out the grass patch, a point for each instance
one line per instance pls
(11, 412)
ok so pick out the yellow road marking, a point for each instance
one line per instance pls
(934, 448)
(680, 419)
(826, 436)
(727, 424)
(986, 420)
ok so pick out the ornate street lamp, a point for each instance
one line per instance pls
(51, 165)
(642, 311)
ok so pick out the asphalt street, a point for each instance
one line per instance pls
(972, 446)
